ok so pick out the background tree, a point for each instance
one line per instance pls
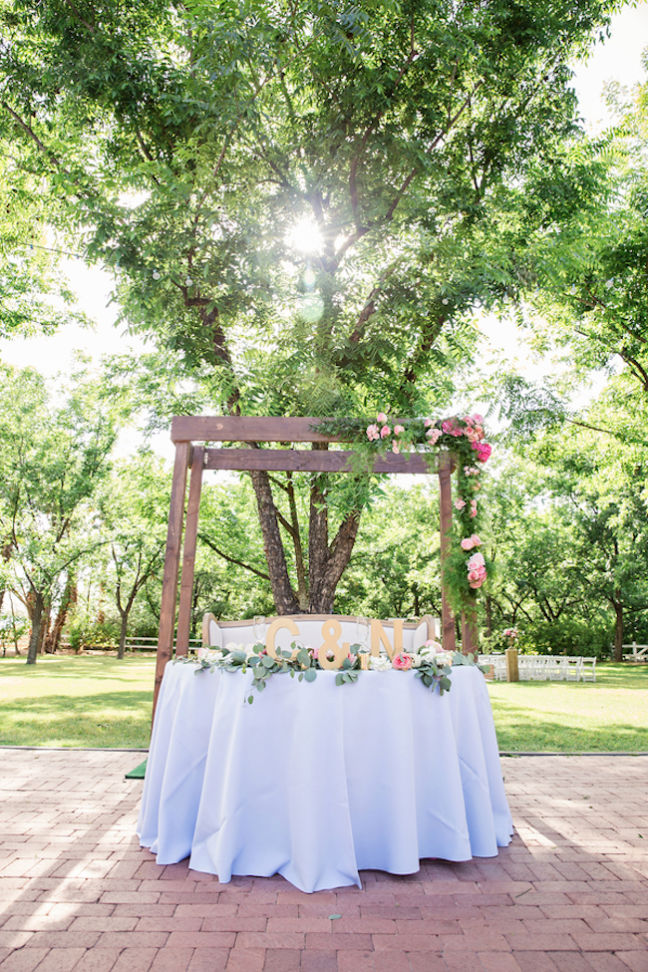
(133, 504)
(52, 456)
(201, 137)
(34, 296)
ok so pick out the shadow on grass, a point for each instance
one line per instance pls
(106, 720)
(518, 731)
(79, 667)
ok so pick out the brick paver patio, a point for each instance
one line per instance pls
(77, 892)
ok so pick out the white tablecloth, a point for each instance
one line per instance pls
(316, 781)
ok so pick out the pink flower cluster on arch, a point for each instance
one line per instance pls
(468, 427)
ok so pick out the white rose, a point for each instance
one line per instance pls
(444, 658)
(380, 663)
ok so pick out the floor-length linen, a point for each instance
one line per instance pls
(316, 781)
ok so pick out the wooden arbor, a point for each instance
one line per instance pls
(186, 431)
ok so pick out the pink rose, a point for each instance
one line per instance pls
(385, 431)
(447, 426)
(398, 429)
(476, 576)
(467, 543)
(475, 540)
(478, 419)
(473, 508)
(433, 435)
(459, 504)
(381, 418)
(373, 432)
(402, 662)
(395, 447)
(477, 560)
(427, 422)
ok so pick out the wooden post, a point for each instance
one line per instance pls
(171, 564)
(469, 635)
(512, 668)
(189, 554)
(445, 489)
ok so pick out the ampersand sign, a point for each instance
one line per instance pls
(331, 631)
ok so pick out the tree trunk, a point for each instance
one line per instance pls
(284, 597)
(335, 559)
(45, 623)
(618, 629)
(37, 608)
(489, 615)
(416, 607)
(53, 637)
(326, 563)
(123, 625)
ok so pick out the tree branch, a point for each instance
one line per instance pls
(78, 16)
(232, 560)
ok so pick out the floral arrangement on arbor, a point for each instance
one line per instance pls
(464, 436)
(429, 663)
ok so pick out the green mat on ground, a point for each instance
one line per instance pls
(138, 773)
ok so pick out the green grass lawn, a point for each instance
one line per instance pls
(609, 715)
(96, 700)
(84, 700)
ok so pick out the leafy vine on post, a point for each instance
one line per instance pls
(464, 567)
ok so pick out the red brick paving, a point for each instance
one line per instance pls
(78, 893)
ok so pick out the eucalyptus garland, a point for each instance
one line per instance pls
(430, 663)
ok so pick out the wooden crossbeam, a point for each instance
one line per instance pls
(239, 428)
(303, 460)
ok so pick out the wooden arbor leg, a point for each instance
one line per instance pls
(171, 564)
(445, 489)
(469, 636)
(189, 554)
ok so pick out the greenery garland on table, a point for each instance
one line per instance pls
(432, 665)
(465, 569)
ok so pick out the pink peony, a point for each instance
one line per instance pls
(373, 432)
(433, 435)
(402, 662)
(385, 431)
(398, 429)
(459, 504)
(483, 450)
(381, 418)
